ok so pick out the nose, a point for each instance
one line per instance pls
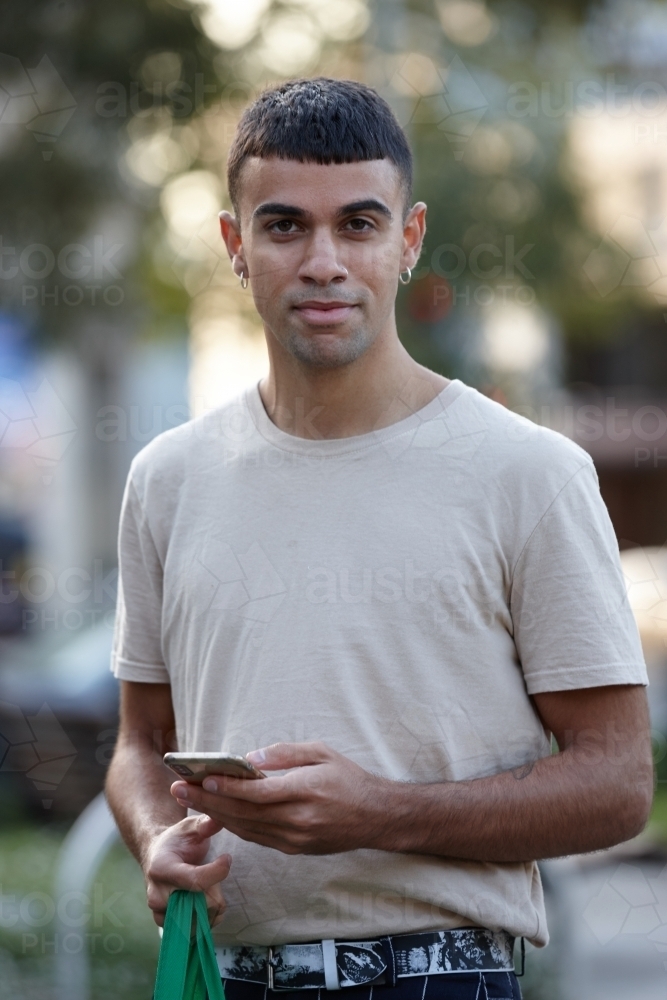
(321, 264)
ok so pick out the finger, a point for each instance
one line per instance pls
(229, 790)
(265, 836)
(196, 830)
(206, 826)
(226, 810)
(278, 840)
(158, 893)
(180, 875)
(267, 791)
(193, 797)
(211, 874)
(181, 789)
(190, 795)
(280, 822)
(284, 755)
(157, 899)
(215, 908)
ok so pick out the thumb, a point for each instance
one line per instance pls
(205, 876)
(198, 878)
(284, 755)
(207, 826)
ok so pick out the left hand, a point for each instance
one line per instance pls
(324, 804)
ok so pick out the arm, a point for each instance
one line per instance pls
(169, 846)
(595, 792)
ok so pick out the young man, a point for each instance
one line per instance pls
(385, 586)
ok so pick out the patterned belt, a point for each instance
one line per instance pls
(336, 964)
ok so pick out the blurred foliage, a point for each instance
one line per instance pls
(657, 827)
(118, 928)
(510, 178)
(76, 191)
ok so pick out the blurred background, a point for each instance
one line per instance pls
(540, 137)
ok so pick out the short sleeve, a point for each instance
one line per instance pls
(573, 625)
(137, 644)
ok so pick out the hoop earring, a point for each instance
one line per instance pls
(244, 280)
(405, 281)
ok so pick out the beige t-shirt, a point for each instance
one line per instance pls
(396, 594)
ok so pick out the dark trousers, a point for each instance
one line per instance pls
(454, 986)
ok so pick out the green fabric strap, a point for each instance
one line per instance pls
(187, 968)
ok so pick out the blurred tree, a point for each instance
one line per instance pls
(489, 94)
(73, 75)
(103, 103)
(84, 88)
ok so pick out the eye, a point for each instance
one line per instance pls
(359, 225)
(282, 226)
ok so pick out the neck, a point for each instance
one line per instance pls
(381, 387)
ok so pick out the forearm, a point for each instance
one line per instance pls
(137, 789)
(595, 792)
(559, 805)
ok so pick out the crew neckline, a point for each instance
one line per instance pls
(356, 442)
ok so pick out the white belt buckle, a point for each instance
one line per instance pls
(330, 967)
(269, 967)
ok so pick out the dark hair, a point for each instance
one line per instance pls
(319, 121)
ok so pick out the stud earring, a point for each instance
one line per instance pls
(403, 280)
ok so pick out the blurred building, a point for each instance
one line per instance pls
(618, 407)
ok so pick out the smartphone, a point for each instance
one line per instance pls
(194, 767)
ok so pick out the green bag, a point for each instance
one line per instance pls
(187, 968)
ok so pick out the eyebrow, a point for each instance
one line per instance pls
(366, 205)
(279, 208)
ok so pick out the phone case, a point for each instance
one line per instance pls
(197, 766)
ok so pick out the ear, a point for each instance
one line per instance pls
(414, 229)
(231, 235)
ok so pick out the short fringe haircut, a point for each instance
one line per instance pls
(319, 121)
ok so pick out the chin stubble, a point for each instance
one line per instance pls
(319, 351)
(314, 352)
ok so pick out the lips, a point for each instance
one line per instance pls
(324, 313)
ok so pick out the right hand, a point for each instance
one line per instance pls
(174, 861)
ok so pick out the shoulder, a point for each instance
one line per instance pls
(165, 463)
(517, 446)
(524, 470)
(520, 466)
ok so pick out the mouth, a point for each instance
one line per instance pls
(324, 313)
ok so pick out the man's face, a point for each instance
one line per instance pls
(323, 246)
